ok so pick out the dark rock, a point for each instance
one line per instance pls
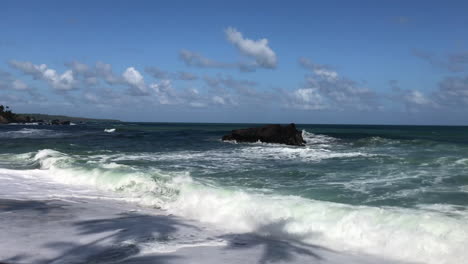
(288, 135)
(22, 119)
(55, 122)
(3, 120)
(60, 122)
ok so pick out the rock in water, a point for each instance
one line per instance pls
(288, 135)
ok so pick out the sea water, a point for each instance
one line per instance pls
(400, 192)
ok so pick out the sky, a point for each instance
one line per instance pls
(315, 62)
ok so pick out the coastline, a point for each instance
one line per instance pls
(72, 228)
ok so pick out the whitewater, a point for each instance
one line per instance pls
(374, 194)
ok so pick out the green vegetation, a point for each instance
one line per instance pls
(7, 116)
(69, 118)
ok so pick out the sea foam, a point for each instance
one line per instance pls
(412, 234)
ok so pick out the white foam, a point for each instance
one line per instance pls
(463, 161)
(109, 130)
(315, 139)
(24, 124)
(419, 234)
(31, 133)
(406, 234)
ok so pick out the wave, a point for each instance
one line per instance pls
(418, 234)
(319, 147)
(317, 139)
(109, 130)
(24, 124)
(373, 141)
(31, 133)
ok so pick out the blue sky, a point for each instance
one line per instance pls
(362, 62)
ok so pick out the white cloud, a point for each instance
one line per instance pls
(63, 82)
(91, 97)
(195, 59)
(19, 85)
(104, 71)
(218, 100)
(134, 78)
(263, 56)
(164, 92)
(335, 91)
(319, 70)
(78, 67)
(416, 97)
(328, 74)
(157, 73)
(306, 99)
(258, 49)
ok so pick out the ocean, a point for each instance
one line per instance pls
(399, 192)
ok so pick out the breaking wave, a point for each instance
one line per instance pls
(416, 234)
(31, 133)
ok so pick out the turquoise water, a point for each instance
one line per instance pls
(383, 188)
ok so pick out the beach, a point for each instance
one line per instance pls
(40, 224)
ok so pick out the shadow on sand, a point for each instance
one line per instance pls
(118, 240)
(43, 207)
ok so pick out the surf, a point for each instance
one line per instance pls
(411, 234)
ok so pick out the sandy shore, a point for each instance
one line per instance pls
(38, 226)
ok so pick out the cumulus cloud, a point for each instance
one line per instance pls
(9, 82)
(135, 80)
(320, 70)
(78, 67)
(225, 90)
(105, 72)
(415, 97)
(259, 50)
(242, 87)
(157, 73)
(325, 88)
(164, 92)
(453, 91)
(453, 62)
(195, 59)
(307, 99)
(19, 85)
(61, 82)
(218, 100)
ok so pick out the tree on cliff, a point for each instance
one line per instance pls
(6, 113)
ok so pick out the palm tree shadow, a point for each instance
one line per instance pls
(278, 245)
(118, 238)
(42, 207)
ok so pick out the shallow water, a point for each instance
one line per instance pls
(394, 191)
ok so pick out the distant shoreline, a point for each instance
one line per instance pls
(63, 117)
